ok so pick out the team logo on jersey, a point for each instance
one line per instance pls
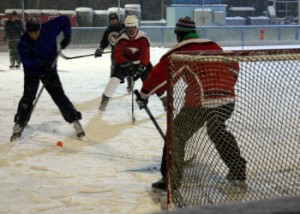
(112, 38)
(133, 50)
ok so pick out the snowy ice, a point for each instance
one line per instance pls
(110, 172)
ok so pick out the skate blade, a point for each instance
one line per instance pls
(239, 184)
(81, 136)
(159, 196)
(14, 138)
(160, 191)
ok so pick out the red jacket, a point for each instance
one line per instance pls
(134, 49)
(207, 88)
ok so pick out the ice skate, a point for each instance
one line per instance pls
(78, 129)
(237, 177)
(159, 192)
(237, 173)
(103, 103)
(160, 185)
(17, 132)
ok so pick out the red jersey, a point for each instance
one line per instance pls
(135, 49)
(206, 88)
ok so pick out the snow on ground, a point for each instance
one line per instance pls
(110, 172)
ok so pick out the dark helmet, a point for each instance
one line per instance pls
(14, 13)
(113, 16)
(32, 24)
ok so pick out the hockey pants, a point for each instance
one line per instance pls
(54, 88)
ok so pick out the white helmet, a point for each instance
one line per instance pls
(131, 21)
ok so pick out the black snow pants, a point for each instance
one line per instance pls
(194, 119)
(54, 88)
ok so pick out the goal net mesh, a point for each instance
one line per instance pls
(261, 124)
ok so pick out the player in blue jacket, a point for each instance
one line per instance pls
(38, 54)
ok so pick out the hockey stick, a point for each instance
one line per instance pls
(151, 117)
(188, 161)
(80, 56)
(35, 102)
(132, 102)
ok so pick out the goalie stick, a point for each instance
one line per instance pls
(80, 56)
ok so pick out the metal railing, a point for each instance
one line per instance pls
(226, 36)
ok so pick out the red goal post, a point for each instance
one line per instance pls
(265, 123)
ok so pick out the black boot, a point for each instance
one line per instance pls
(161, 184)
(17, 132)
(103, 103)
(78, 129)
(238, 173)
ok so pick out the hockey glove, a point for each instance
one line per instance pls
(138, 72)
(127, 65)
(98, 52)
(65, 41)
(142, 103)
(134, 71)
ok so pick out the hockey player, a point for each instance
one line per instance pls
(38, 52)
(13, 31)
(109, 37)
(132, 55)
(212, 107)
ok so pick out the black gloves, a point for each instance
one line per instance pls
(127, 65)
(99, 52)
(133, 70)
(142, 103)
(139, 70)
(65, 41)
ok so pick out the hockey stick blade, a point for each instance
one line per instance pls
(80, 56)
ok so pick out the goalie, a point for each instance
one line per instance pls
(212, 105)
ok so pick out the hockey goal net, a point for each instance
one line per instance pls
(263, 117)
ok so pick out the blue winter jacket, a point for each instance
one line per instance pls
(35, 54)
